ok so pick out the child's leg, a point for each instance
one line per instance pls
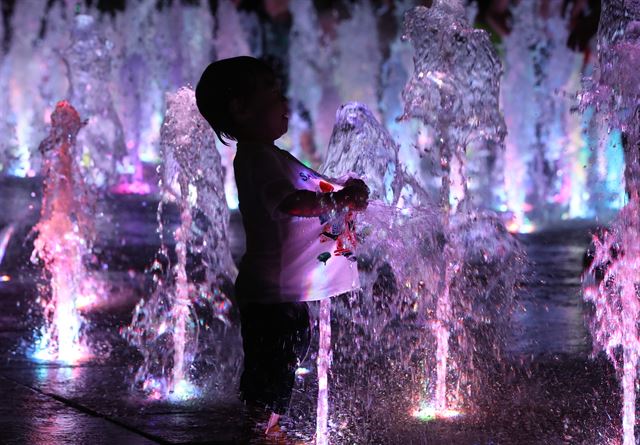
(274, 338)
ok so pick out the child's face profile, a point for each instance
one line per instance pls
(265, 114)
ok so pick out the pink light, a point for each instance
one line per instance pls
(132, 188)
(60, 244)
(84, 302)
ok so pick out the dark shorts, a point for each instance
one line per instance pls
(275, 339)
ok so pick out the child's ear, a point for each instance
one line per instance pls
(238, 109)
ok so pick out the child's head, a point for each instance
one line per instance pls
(241, 99)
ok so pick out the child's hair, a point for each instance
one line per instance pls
(224, 81)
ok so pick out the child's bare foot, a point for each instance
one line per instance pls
(272, 424)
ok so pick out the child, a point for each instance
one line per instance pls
(298, 226)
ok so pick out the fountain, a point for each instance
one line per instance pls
(407, 284)
(64, 241)
(306, 59)
(456, 72)
(438, 274)
(5, 236)
(168, 57)
(101, 143)
(166, 326)
(360, 145)
(134, 98)
(356, 49)
(610, 282)
(367, 322)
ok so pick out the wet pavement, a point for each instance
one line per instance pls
(551, 390)
(32, 416)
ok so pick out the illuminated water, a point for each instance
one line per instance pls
(611, 285)
(168, 324)
(557, 164)
(439, 270)
(421, 266)
(611, 282)
(324, 362)
(457, 72)
(101, 142)
(63, 245)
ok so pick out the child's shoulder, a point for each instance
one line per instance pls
(287, 155)
(254, 152)
(273, 153)
(266, 156)
(259, 158)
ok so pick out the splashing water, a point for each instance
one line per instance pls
(166, 327)
(355, 50)
(135, 109)
(232, 40)
(306, 57)
(547, 149)
(5, 237)
(362, 145)
(324, 363)
(101, 141)
(454, 90)
(398, 319)
(39, 66)
(19, 73)
(611, 282)
(421, 180)
(64, 241)
(395, 249)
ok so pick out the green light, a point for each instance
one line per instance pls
(427, 413)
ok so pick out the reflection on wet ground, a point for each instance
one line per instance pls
(550, 391)
(551, 316)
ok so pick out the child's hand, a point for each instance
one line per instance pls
(356, 194)
(356, 183)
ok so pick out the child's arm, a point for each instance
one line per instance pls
(307, 203)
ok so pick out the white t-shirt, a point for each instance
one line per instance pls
(289, 258)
